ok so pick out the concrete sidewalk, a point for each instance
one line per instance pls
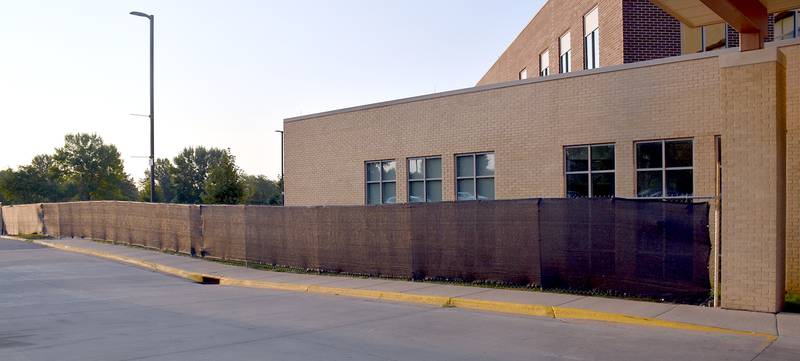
(524, 302)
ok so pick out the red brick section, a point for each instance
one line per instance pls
(648, 32)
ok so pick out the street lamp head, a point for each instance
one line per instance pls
(137, 13)
(278, 131)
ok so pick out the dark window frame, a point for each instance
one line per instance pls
(380, 182)
(663, 169)
(793, 14)
(424, 180)
(565, 58)
(544, 69)
(595, 41)
(588, 172)
(474, 177)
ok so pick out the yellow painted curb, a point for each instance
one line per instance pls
(504, 307)
(192, 276)
(555, 312)
(582, 314)
(225, 281)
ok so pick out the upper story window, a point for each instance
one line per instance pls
(589, 171)
(544, 63)
(565, 54)
(475, 176)
(523, 74)
(381, 177)
(591, 40)
(425, 180)
(704, 38)
(786, 26)
(664, 168)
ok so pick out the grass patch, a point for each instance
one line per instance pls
(33, 236)
(792, 303)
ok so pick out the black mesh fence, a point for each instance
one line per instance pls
(654, 249)
(645, 248)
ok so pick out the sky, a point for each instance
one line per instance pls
(228, 72)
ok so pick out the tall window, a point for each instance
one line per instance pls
(544, 63)
(425, 180)
(523, 74)
(381, 182)
(664, 168)
(475, 176)
(786, 26)
(589, 171)
(703, 38)
(591, 40)
(565, 51)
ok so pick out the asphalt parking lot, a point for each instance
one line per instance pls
(62, 306)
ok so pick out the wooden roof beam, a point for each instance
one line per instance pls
(748, 17)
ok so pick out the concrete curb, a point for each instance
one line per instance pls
(555, 312)
(192, 276)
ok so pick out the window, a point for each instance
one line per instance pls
(475, 176)
(704, 38)
(786, 26)
(381, 182)
(664, 169)
(565, 51)
(591, 40)
(425, 180)
(523, 74)
(544, 63)
(589, 171)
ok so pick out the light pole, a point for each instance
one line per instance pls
(152, 110)
(283, 181)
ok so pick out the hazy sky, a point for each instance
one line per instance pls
(228, 72)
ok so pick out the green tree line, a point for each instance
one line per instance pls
(85, 168)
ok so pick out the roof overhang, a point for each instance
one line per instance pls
(696, 13)
(748, 17)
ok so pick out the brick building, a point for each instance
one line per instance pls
(632, 31)
(631, 118)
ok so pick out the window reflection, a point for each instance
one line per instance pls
(664, 168)
(475, 176)
(380, 177)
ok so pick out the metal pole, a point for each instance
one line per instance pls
(152, 118)
(152, 107)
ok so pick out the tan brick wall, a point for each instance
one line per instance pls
(526, 125)
(554, 19)
(792, 56)
(753, 208)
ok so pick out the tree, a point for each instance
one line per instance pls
(35, 183)
(165, 187)
(261, 190)
(190, 171)
(224, 184)
(93, 168)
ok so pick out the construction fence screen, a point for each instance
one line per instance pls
(647, 248)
